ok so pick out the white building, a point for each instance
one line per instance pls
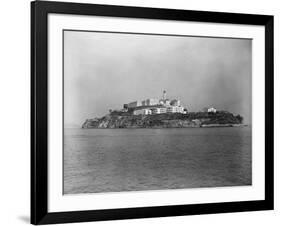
(134, 104)
(175, 109)
(213, 110)
(143, 112)
(156, 106)
(160, 110)
(150, 102)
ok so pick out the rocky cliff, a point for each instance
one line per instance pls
(192, 119)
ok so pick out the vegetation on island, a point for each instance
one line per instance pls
(118, 119)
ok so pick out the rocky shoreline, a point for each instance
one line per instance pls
(191, 120)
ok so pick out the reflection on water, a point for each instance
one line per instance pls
(113, 160)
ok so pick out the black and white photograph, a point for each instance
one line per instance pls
(148, 112)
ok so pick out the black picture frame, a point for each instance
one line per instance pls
(39, 112)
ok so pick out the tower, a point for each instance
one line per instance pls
(164, 95)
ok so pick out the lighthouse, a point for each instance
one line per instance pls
(164, 95)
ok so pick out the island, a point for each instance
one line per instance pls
(163, 113)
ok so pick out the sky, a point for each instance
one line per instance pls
(103, 71)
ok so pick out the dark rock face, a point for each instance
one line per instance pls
(176, 120)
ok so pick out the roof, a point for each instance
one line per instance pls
(147, 107)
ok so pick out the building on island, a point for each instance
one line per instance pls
(175, 109)
(144, 111)
(159, 110)
(134, 104)
(155, 106)
(150, 102)
(212, 110)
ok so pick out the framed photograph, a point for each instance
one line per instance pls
(145, 112)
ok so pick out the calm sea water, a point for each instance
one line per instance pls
(113, 160)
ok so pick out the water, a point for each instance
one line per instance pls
(113, 160)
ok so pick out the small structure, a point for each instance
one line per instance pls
(212, 110)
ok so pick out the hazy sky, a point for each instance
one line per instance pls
(103, 71)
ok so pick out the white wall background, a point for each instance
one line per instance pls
(15, 113)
